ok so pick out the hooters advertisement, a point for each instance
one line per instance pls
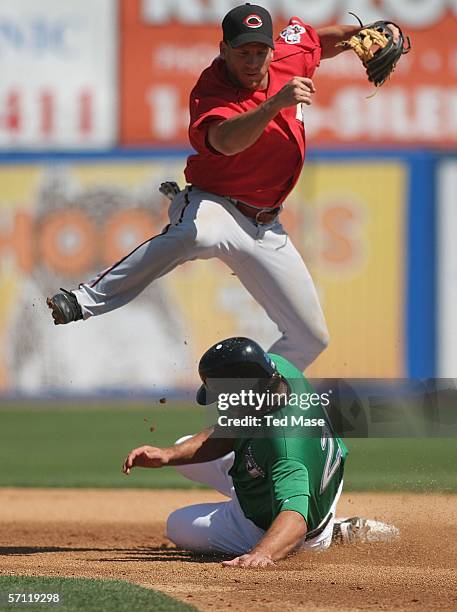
(167, 44)
(58, 85)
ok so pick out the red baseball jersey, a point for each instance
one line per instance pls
(266, 172)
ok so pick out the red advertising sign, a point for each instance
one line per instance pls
(159, 66)
(166, 45)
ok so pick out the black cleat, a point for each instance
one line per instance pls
(65, 307)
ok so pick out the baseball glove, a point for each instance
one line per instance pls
(377, 49)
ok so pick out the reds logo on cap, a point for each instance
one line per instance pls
(253, 21)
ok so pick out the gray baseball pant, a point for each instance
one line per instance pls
(203, 225)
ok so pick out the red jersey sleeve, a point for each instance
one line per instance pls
(301, 41)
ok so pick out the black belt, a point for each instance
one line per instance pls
(315, 532)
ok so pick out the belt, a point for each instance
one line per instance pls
(260, 215)
(315, 532)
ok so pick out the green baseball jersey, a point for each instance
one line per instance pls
(288, 471)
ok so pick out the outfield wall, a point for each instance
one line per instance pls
(447, 269)
(364, 222)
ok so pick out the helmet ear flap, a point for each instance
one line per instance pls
(272, 383)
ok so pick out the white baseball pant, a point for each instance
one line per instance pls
(222, 526)
(202, 226)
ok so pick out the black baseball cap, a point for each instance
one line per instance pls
(248, 23)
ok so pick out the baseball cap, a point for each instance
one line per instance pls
(248, 23)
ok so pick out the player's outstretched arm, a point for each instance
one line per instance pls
(204, 446)
(284, 535)
(197, 449)
(236, 134)
(330, 36)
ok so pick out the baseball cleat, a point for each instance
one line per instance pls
(65, 307)
(169, 189)
(356, 530)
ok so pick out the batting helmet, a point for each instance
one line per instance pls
(233, 358)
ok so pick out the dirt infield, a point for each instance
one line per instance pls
(119, 534)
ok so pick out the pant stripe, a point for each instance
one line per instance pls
(118, 263)
(186, 204)
(162, 233)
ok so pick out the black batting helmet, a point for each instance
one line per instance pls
(232, 358)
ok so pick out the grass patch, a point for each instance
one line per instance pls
(84, 446)
(399, 464)
(89, 595)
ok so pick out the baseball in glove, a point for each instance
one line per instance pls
(378, 48)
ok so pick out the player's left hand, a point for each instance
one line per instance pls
(379, 46)
(252, 559)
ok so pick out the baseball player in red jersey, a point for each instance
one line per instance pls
(247, 115)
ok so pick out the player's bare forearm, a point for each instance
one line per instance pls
(200, 448)
(238, 133)
(330, 36)
(282, 538)
(197, 449)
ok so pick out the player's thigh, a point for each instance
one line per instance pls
(277, 277)
(214, 474)
(218, 232)
(217, 527)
